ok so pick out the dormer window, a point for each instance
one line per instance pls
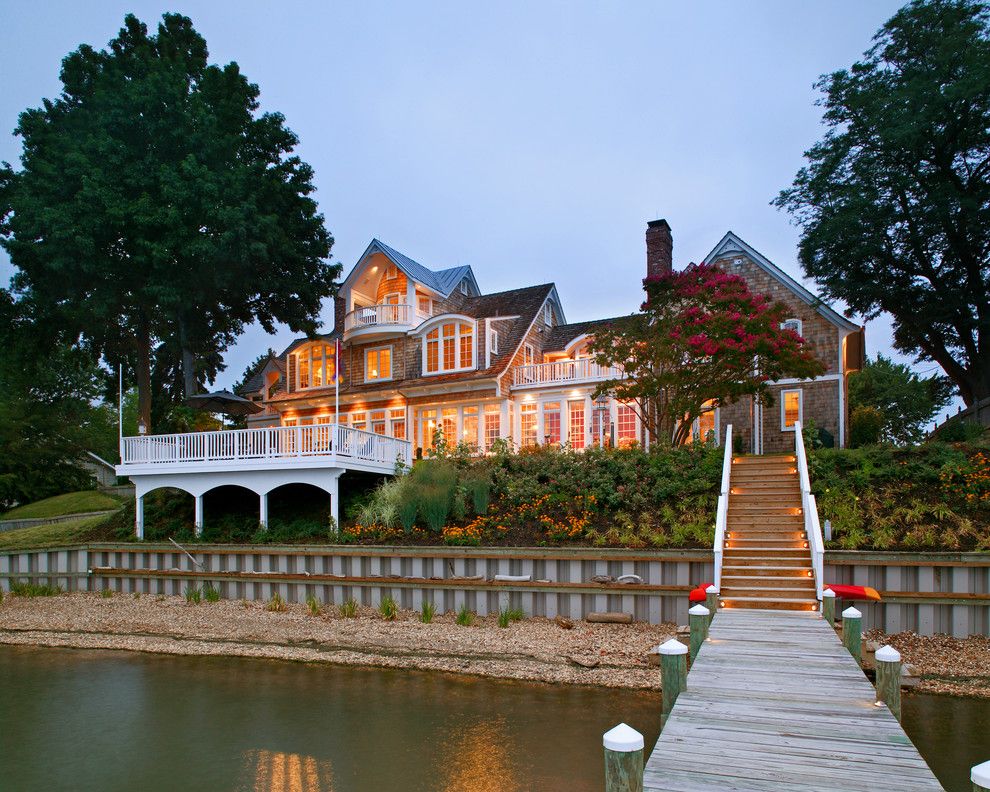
(463, 286)
(493, 342)
(449, 347)
(391, 272)
(548, 315)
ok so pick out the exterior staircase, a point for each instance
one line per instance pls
(767, 563)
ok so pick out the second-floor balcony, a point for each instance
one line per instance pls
(371, 321)
(563, 372)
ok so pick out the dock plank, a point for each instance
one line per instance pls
(774, 701)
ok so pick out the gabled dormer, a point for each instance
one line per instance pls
(387, 293)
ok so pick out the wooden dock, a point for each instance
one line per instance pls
(775, 702)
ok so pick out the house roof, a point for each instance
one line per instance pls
(443, 281)
(562, 335)
(257, 381)
(731, 243)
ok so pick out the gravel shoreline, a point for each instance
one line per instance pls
(537, 649)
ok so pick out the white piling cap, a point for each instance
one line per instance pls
(851, 613)
(980, 775)
(712, 589)
(672, 647)
(623, 738)
(828, 593)
(699, 610)
(888, 654)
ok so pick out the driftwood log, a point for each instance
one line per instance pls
(610, 618)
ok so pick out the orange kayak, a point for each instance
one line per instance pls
(855, 592)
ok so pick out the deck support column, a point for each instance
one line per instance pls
(852, 633)
(980, 776)
(139, 516)
(198, 519)
(263, 510)
(673, 674)
(828, 607)
(888, 661)
(623, 759)
(711, 601)
(335, 502)
(698, 618)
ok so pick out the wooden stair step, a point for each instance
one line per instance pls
(766, 592)
(766, 573)
(762, 459)
(796, 562)
(778, 604)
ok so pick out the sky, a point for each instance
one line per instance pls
(532, 141)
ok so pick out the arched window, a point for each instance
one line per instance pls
(449, 347)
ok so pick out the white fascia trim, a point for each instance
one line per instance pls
(457, 387)
(428, 324)
(785, 280)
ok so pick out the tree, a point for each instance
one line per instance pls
(253, 368)
(907, 403)
(49, 416)
(157, 212)
(702, 335)
(894, 203)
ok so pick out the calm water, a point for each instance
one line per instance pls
(80, 720)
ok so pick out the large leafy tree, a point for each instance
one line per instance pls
(702, 336)
(907, 402)
(157, 211)
(894, 202)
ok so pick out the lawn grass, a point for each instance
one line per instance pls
(86, 529)
(69, 503)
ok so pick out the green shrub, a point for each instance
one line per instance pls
(276, 604)
(408, 507)
(382, 506)
(211, 593)
(465, 617)
(427, 612)
(314, 605)
(479, 488)
(348, 608)
(106, 593)
(193, 595)
(34, 590)
(388, 608)
(503, 618)
(433, 484)
(865, 426)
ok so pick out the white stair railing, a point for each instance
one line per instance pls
(722, 510)
(809, 508)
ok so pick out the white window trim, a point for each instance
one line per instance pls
(800, 325)
(783, 412)
(493, 341)
(391, 364)
(457, 321)
(548, 314)
(529, 355)
(309, 353)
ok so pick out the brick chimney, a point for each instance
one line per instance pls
(659, 248)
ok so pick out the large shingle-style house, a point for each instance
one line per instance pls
(422, 350)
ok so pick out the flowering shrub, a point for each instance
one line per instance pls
(971, 479)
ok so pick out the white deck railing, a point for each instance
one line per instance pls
(378, 315)
(563, 371)
(722, 510)
(329, 441)
(809, 508)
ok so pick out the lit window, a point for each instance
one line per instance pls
(314, 366)
(551, 423)
(302, 367)
(449, 348)
(424, 306)
(469, 426)
(391, 272)
(575, 424)
(527, 424)
(790, 409)
(704, 425)
(625, 426)
(378, 364)
(449, 424)
(397, 421)
(493, 424)
(358, 421)
(427, 428)
(378, 422)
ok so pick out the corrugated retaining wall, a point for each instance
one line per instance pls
(925, 592)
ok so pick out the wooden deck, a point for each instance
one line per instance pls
(775, 702)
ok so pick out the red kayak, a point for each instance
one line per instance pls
(855, 592)
(699, 594)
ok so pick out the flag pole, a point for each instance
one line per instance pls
(336, 381)
(120, 411)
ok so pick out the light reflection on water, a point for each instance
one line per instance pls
(478, 760)
(276, 771)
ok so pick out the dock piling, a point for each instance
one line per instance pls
(888, 661)
(673, 674)
(623, 759)
(828, 607)
(698, 619)
(711, 601)
(852, 633)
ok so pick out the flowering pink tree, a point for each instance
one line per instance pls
(702, 337)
